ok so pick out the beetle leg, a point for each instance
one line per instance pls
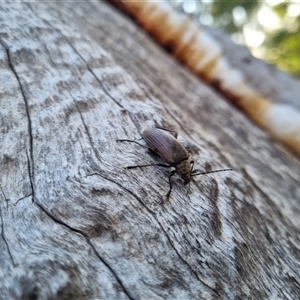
(191, 172)
(170, 183)
(132, 141)
(169, 130)
(192, 164)
(188, 191)
(153, 153)
(148, 165)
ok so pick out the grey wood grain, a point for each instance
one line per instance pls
(75, 224)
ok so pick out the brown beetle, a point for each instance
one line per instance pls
(172, 152)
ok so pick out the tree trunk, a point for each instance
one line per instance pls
(76, 225)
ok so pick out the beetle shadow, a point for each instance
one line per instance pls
(154, 155)
(192, 149)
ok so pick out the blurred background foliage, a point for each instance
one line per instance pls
(269, 28)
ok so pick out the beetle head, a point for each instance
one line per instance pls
(184, 169)
(186, 178)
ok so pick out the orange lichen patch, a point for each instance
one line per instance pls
(203, 54)
(186, 38)
(200, 60)
(149, 19)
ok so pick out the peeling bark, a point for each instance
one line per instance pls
(76, 225)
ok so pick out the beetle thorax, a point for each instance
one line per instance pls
(184, 170)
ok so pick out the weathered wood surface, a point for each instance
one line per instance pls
(76, 225)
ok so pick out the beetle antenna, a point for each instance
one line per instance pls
(216, 171)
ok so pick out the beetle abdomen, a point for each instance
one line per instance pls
(165, 145)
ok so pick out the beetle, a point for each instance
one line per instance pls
(162, 142)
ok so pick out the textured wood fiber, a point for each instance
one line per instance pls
(76, 225)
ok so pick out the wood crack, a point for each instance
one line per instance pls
(87, 65)
(31, 176)
(188, 265)
(22, 198)
(25, 100)
(30, 167)
(92, 72)
(162, 228)
(88, 240)
(30, 164)
(86, 129)
(4, 239)
(75, 50)
(75, 103)
(4, 196)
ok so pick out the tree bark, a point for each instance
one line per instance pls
(76, 225)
